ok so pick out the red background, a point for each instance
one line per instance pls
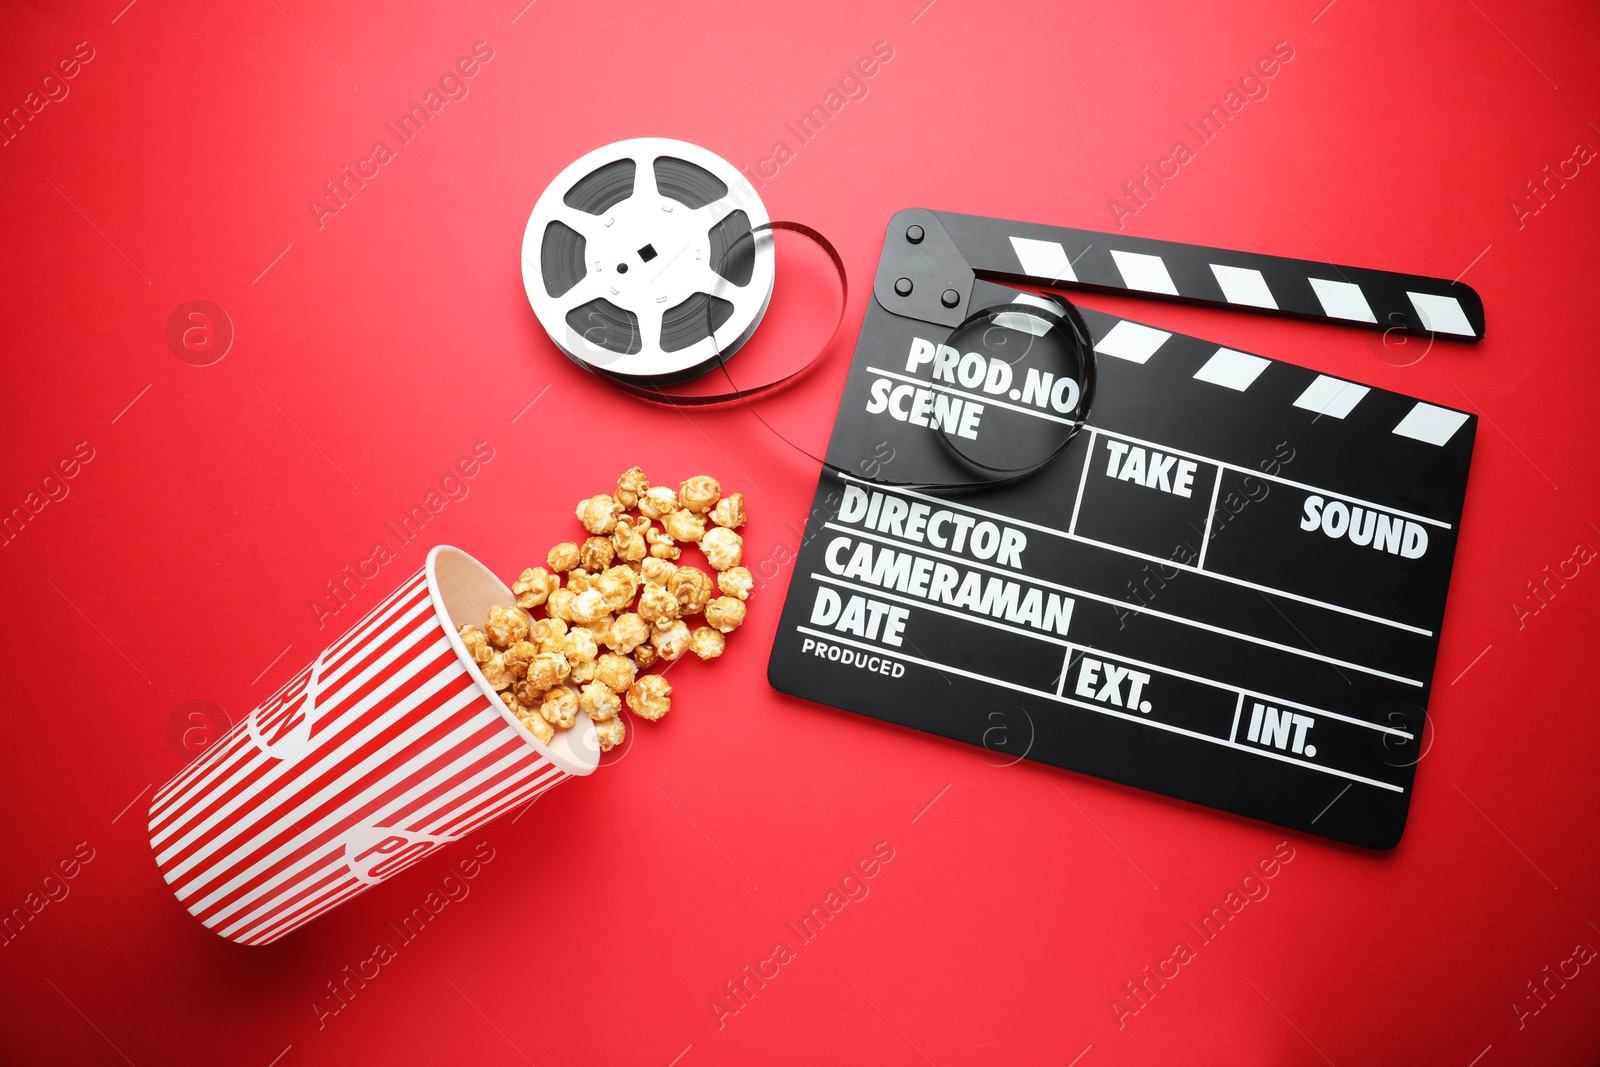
(372, 352)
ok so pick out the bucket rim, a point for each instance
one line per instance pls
(573, 756)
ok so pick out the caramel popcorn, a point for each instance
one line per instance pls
(596, 554)
(537, 726)
(628, 632)
(599, 514)
(723, 548)
(600, 629)
(691, 586)
(684, 526)
(560, 707)
(534, 587)
(632, 485)
(548, 634)
(629, 541)
(519, 656)
(671, 642)
(725, 613)
(506, 626)
(618, 585)
(528, 695)
(706, 642)
(495, 672)
(610, 733)
(616, 671)
(563, 557)
(736, 582)
(658, 571)
(599, 701)
(699, 494)
(548, 670)
(650, 697)
(477, 644)
(614, 605)
(559, 606)
(729, 511)
(657, 606)
(580, 646)
(657, 502)
(661, 545)
(587, 606)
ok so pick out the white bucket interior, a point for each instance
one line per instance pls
(463, 591)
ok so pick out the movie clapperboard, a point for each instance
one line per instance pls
(1226, 587)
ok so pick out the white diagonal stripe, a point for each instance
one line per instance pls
(1343, 300)
(535, 777)
(210, 781)
(1241, 285)
(271, 819)
(1144, 272)
(1131, 341)
(278, 925)
(1043, 259)
(299, 805)
(290, 879)
(330, 697)
(384, 609)
(521, 795)
(290, 768)
(1232, 370)
(1334, 397)
(1441, 314)
(1430, 424)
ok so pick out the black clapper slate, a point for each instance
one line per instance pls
(1216, 650)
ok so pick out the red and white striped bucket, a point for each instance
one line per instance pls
(387, 746)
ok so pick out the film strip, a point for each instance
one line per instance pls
(1228, 588)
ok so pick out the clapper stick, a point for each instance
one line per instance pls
(940, 253)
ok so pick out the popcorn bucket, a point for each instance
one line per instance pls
(387, 746)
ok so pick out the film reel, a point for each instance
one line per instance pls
(650, 260)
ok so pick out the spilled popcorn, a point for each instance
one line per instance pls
(625, 607)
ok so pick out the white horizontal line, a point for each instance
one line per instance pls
(982, 399)
(1123, 605)
(1231, 580)
(1119, 657)
(1222, 741)
(1161, 447)
(1274, 478)
(941, 609)
(1071, 536)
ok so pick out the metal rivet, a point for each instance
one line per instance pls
(914, 235)
(902, 286)
(949, 298)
